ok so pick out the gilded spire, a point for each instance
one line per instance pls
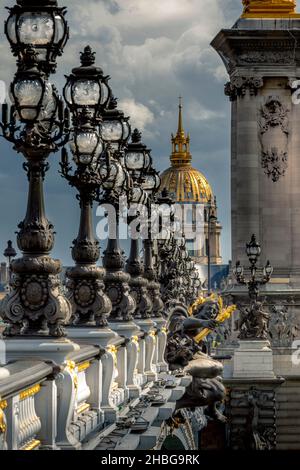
(180, 131)
(180, 143)
(269, 9)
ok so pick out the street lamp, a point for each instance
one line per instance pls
(115, 127)
(87, 88)
(137, 156)
(36, 305)
(90, 305)
(253, 250)
(137, 161)
(211, 220)
(151, 270)
(116, 183)
(40, 24)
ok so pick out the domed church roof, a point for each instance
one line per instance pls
(183, 182)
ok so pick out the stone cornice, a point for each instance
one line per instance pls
(259, 48)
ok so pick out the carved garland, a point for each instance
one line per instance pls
(274, 133)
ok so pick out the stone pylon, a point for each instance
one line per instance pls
(262, 57)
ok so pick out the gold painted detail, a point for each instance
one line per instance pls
(186, 184)
(82, 408)
(30, 392)
(32, 445)
(224, 313)
(113, 351)
(135, 340)
(153, 335)
(83, 366)
(71, 367)
(3, 404)
(2, 422)
(270, 9)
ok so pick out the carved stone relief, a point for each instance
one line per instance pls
(273, 134)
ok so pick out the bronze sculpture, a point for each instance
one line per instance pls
(184, 354)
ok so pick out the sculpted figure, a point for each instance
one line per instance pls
(254, 322)
(185, 354)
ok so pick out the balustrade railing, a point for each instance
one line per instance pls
(60, 406)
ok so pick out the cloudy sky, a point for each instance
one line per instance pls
(154, 51)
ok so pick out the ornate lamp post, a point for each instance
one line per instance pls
(151, 183)
(168, 253)
(253, 283)
(36, 305)
(115, 132)
(137, 162)
(211, 219)
(86, 94)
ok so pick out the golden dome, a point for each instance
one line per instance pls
(269, 9)
(183, 182)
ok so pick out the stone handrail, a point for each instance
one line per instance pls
(44, 405)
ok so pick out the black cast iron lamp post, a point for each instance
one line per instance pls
(137, 161)
(90, 305)
(116, 183)
(212, 219)
(40, 24)
(253, 250)
(36, 305)
(147, 177)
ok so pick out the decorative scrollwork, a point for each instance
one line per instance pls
(274, 133)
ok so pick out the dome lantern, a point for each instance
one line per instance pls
(180, 143)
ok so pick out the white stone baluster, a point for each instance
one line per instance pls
(67, 388)
(122, 370)
(162, 365)
(12, 417)
(108, 373)
(94, 381)
(150, 370)
(132, 348)
(46, 408)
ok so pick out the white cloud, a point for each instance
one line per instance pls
(140, 115)
(198, 112)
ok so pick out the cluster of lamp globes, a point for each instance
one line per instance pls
(98, 136)
(174, 244)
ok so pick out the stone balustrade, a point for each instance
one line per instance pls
(77, 403)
